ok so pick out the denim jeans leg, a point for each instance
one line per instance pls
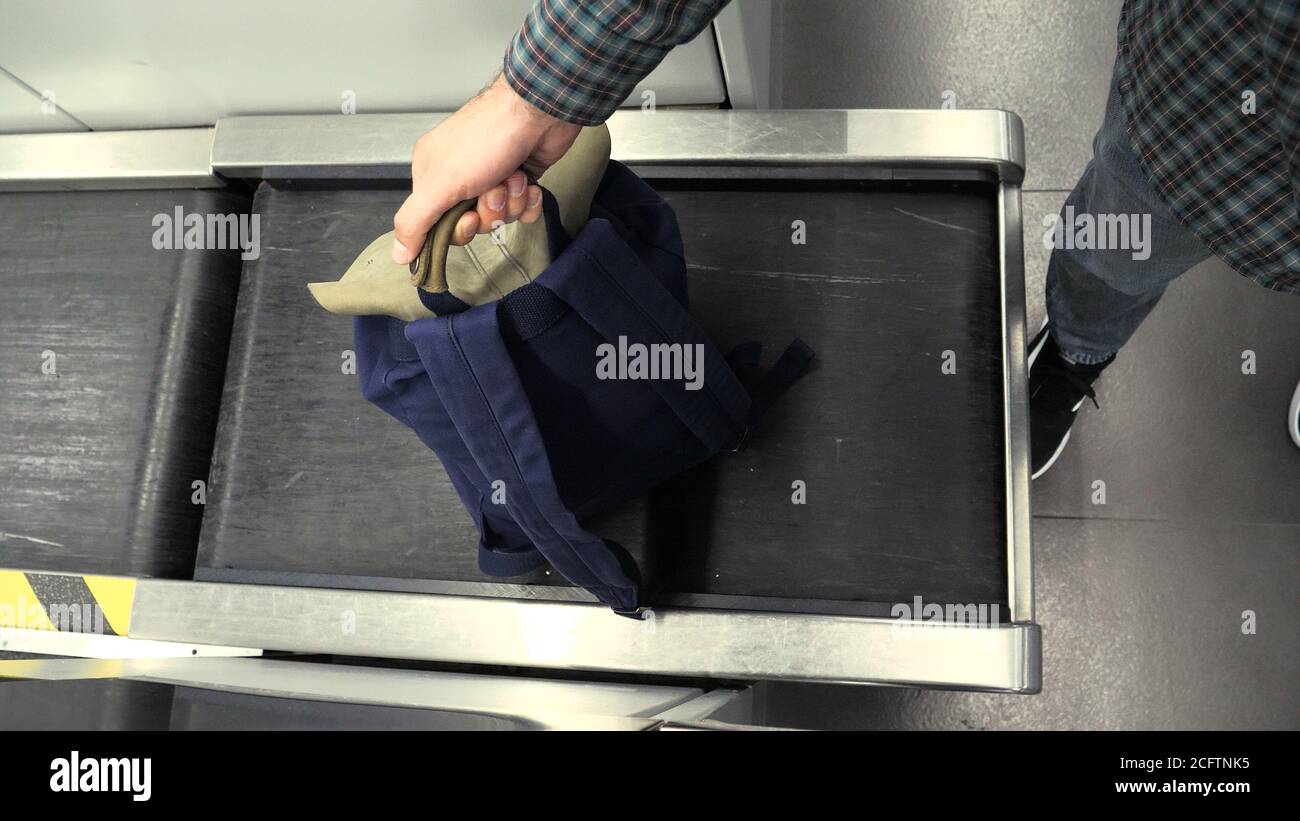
(1097, 297)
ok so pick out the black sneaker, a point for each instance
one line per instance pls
(1057, 389)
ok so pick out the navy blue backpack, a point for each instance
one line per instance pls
(508, 396)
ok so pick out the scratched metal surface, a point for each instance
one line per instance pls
(85, 704)
(903, 465)
(199, 709)
(97, 459)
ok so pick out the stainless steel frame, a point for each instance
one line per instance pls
(528, 703)
(76, 161)
(100, 646)
(1015, 404)
(574, 635)
(371, 146)
(581, 636)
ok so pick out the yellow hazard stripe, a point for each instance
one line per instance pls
(115, 595)
(36, 600)
(19, 606)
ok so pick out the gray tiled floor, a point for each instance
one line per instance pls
(1142, 629)
(1036, 205)
(1141, 598)
(1048, 62)
(1182, 434)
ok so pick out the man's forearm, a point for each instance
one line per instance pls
(578, 61)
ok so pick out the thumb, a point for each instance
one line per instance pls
(413, 221)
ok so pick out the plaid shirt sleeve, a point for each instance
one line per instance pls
(1210, 94)
(1279, 39)
(579, 60)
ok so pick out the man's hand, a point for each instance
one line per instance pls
(480, 151)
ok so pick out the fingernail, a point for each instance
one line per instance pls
(497, 201)
(534, 197)
(400, 253)
(517, 185)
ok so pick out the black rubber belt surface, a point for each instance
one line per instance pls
(902, 464)
(99, 454)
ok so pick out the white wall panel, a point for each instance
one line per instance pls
(21, 110)
(158, 63)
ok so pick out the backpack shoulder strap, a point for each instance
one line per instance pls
(792, 364)
(477, 384)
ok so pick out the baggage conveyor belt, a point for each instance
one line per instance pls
(902, 465)
(916, 479)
